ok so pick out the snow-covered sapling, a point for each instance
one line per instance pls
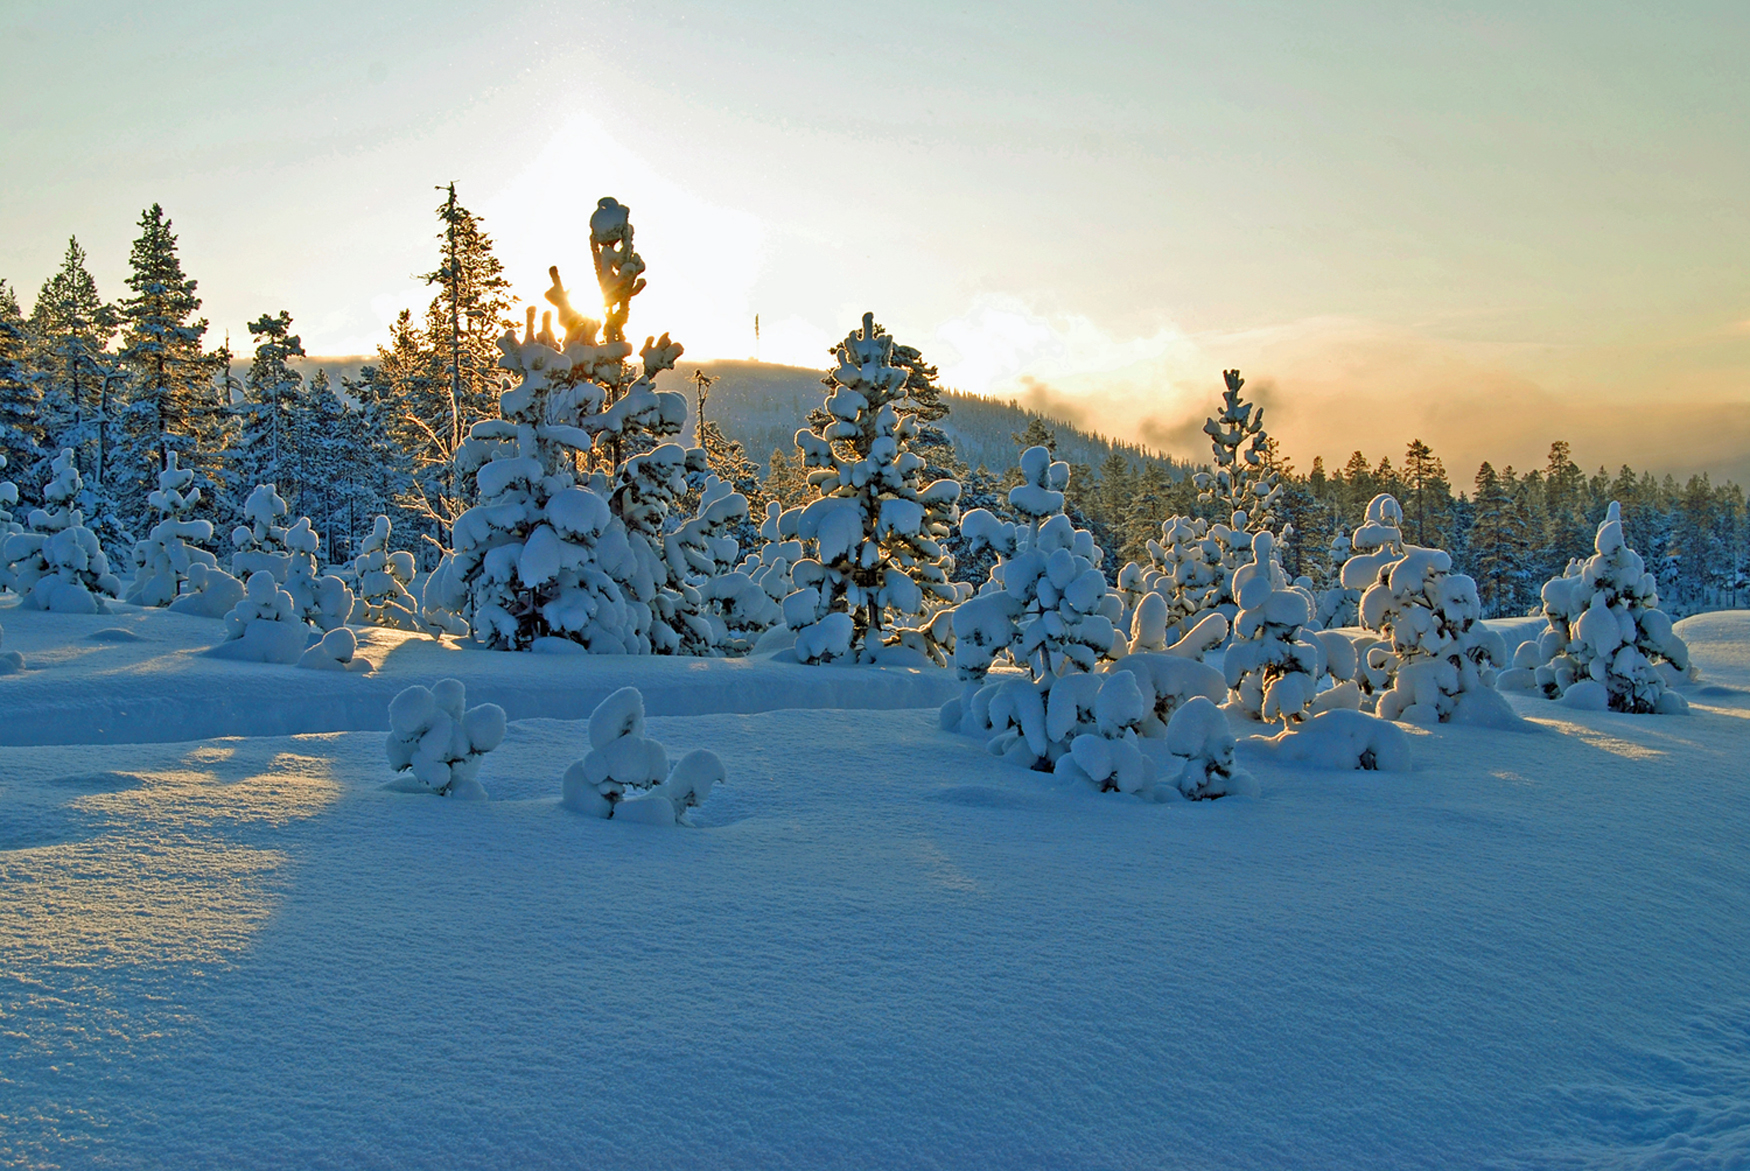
(627, 775)
(1440, 657)
(1608, 644)
(382, 576)
(1199, 732)
(59, 565)
(1274, 671)
(441, 741)
(162, 562)
(322, 599)
(261, 541)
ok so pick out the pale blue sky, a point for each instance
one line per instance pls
(1399, 217)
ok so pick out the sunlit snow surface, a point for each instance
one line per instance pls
(879, 947)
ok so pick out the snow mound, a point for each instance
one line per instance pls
(1340, 740)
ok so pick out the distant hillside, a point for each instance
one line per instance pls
(763, 406)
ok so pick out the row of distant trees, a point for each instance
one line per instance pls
(125, 383)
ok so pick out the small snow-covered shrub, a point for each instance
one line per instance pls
(1167, 682)
(59, 565)
(210, 592)
(1439, 656)
(335, 651)
(1199, 733)
(264, 626)
(382, 576)
(1607, 634)
(627, 776)
(1341, 739)
(163, 560)
(11, 662)
(433, 735)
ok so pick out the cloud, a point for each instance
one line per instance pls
(1333, 385)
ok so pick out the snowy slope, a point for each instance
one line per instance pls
(880, 947)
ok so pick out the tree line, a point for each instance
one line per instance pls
(125, 384)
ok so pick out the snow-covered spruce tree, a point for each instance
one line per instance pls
(1608, 643)
(382, 576)
(266, 448)
(440, 741)
(1242, 481)
(1199, 733)
(264, 625)
(166, 370)
(550, 552)
(162, 561)
(1047, 609)
(59, 564)
(21, 395)
(875, 532)
(627, 775)
(1439, 656)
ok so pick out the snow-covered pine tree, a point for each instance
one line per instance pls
(456, 380)
(1438, 656)
(437, 738)
(8, 526)
(1607, 634)
(166, 370)
(875, 531)
(544, 553)
(72, 327)
(59, 564)
(1241, 484)
(266, 450)
(162, 561)
(21, 416)
(260, 540)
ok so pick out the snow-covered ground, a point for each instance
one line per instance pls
(224, 943)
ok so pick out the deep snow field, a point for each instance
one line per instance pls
(224, 943)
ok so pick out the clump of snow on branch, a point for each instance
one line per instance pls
(1439, 657)
(627, 775)
(440, 741)
(162, 561)
(874, 536)
(1608, 644)
(59, 564)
